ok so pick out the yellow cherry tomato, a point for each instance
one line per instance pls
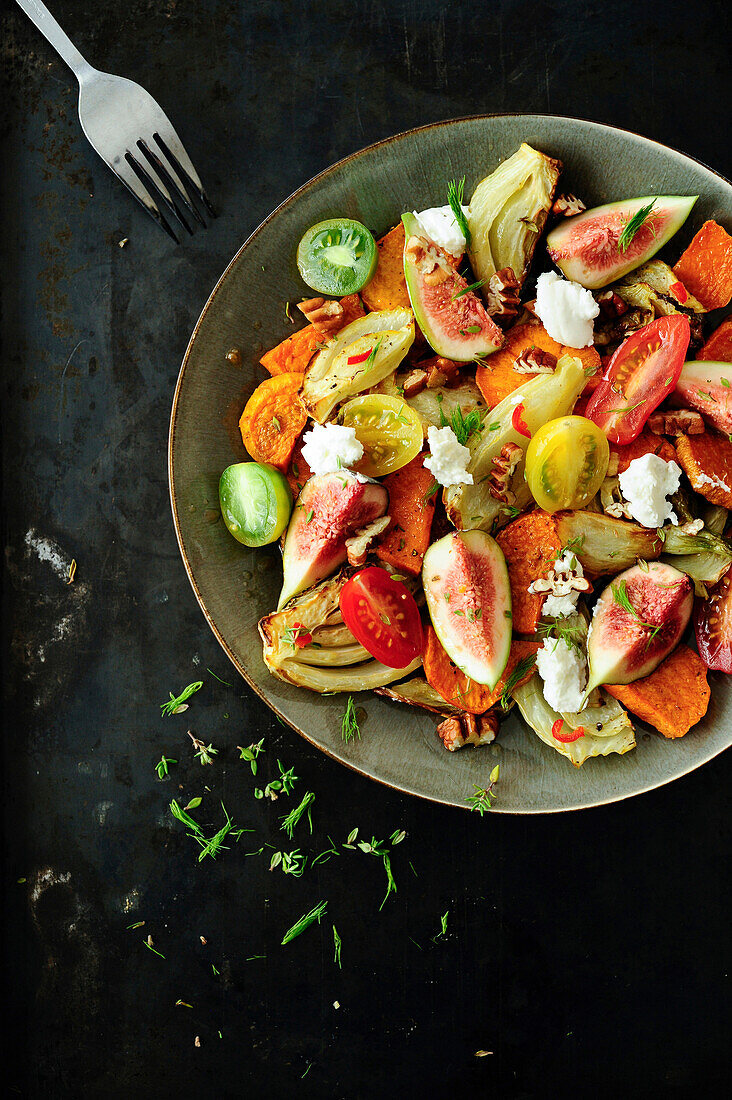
(566, 462)
(387, 428)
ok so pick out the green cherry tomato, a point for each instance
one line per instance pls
(337, 256)
(256, 502)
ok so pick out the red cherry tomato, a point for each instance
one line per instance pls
(382, 615)
(642, 372)
(713, 626)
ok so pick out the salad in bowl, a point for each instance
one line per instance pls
(498, 458)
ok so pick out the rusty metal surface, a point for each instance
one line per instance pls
(582, 952)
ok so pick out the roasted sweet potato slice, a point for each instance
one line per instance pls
(647, 443)
(273, 419)
(673, 698)
(706, 267)
(530, 546)
(707, 462)
(294, 353)
(298, 471)
(411, 506)
(497, 377)
(718, 348)
(452, 684)
(388, 289)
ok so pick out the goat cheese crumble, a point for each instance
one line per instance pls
(646, 484)
(328, 448)
(448, 459)
(565, 309)
(440, 225)
(564, 672)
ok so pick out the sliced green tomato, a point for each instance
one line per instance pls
(566, 463)
(337, 256)
(256, 502)
(388, 430)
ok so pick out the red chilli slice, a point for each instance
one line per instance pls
(566, 738)
(352, 359)
(517, 419)
(679, 292)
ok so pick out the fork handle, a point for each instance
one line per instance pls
(39, 14)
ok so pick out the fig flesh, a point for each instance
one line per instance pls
(707, 387)
(638, 620)
(468, 594)
(588, 248)
(330, 509)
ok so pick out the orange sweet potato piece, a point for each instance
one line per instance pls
(496, 377)
(530, 546)
(707, 462)
(520, 648)
(646, 443)
(673, 698)
(706, 267)
(411, 507)
(452, 684)
(294, 353)
(298, 471)
(272, 420)
(388, 289)
(718, 348)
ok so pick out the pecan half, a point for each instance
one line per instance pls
(503, 468)
(566, 206)
(358, 546)
(439, 371)
(561, 579)
(468, 729)
(324, 314)
(414, 383)
(611, 304)
(535, 361)
(677, 422)
(429, 259)
(502, 294)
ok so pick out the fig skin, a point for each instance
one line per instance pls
(330, 508)
(622, 646)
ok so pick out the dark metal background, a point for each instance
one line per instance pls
(588, 953)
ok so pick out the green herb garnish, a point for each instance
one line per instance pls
(205, 753)
(305, 921)
(484, 797)
(183, 817)
(462, 425)
(289, 822)
(337, 947)
(455, 191)
(468, 289)
(177, 703)
(633, 225)
(215, 844)
(621, 597)
(292, 863)
(525, 665)
(250, 753)
(349, 723)
(162, 765)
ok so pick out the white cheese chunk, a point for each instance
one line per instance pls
(448, 459)
(645, 485)
(559, 607)
(440, 225)
(331, 447)
(563, 670)
(565, 309)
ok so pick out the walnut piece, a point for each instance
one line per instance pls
(535, 361)
(502, 294)
(677, 422)
(324, 314)
(358, 546)
(429, 259)
(468, 729)
(503, 468)
(415, 382)
(566, 206)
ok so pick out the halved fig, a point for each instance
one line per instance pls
(707, 387)
(468, 594)
(588, 248)
(453, 318)
(330, 508)
(637, 621)
(713, 626)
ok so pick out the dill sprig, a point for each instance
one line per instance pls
(455, 191)
(349, 723)
(289, 822)
(215, 844)
(621, 597)
(184, 818)
(177, 703)
(572, 634)
(149, 944)
(525, 664)
(337, 947)
(462, 425)
(484, 797)
(305, 921)
(443, 927)
(224, 682)
(162, 765)
(378, 848)
(632, 226)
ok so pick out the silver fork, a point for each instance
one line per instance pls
(131, 134)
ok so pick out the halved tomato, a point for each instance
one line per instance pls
(383, 616)
(713, 626)
(388, 429)
(640, 375)
(566, 463)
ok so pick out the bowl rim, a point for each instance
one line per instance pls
(313, 180)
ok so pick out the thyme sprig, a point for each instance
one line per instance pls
(177, 703)
(250, 753)
(162, 765)
(484, 797)
(632, 226)
(292, 863)
(204, 752)
(305, 921)
(455, 192)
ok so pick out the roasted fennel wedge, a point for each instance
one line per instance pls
(616, 735)
(543, 398)
(330, 659)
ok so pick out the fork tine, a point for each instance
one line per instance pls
(138, 188)
(156, 188)
(173, 149)
(171, 180)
